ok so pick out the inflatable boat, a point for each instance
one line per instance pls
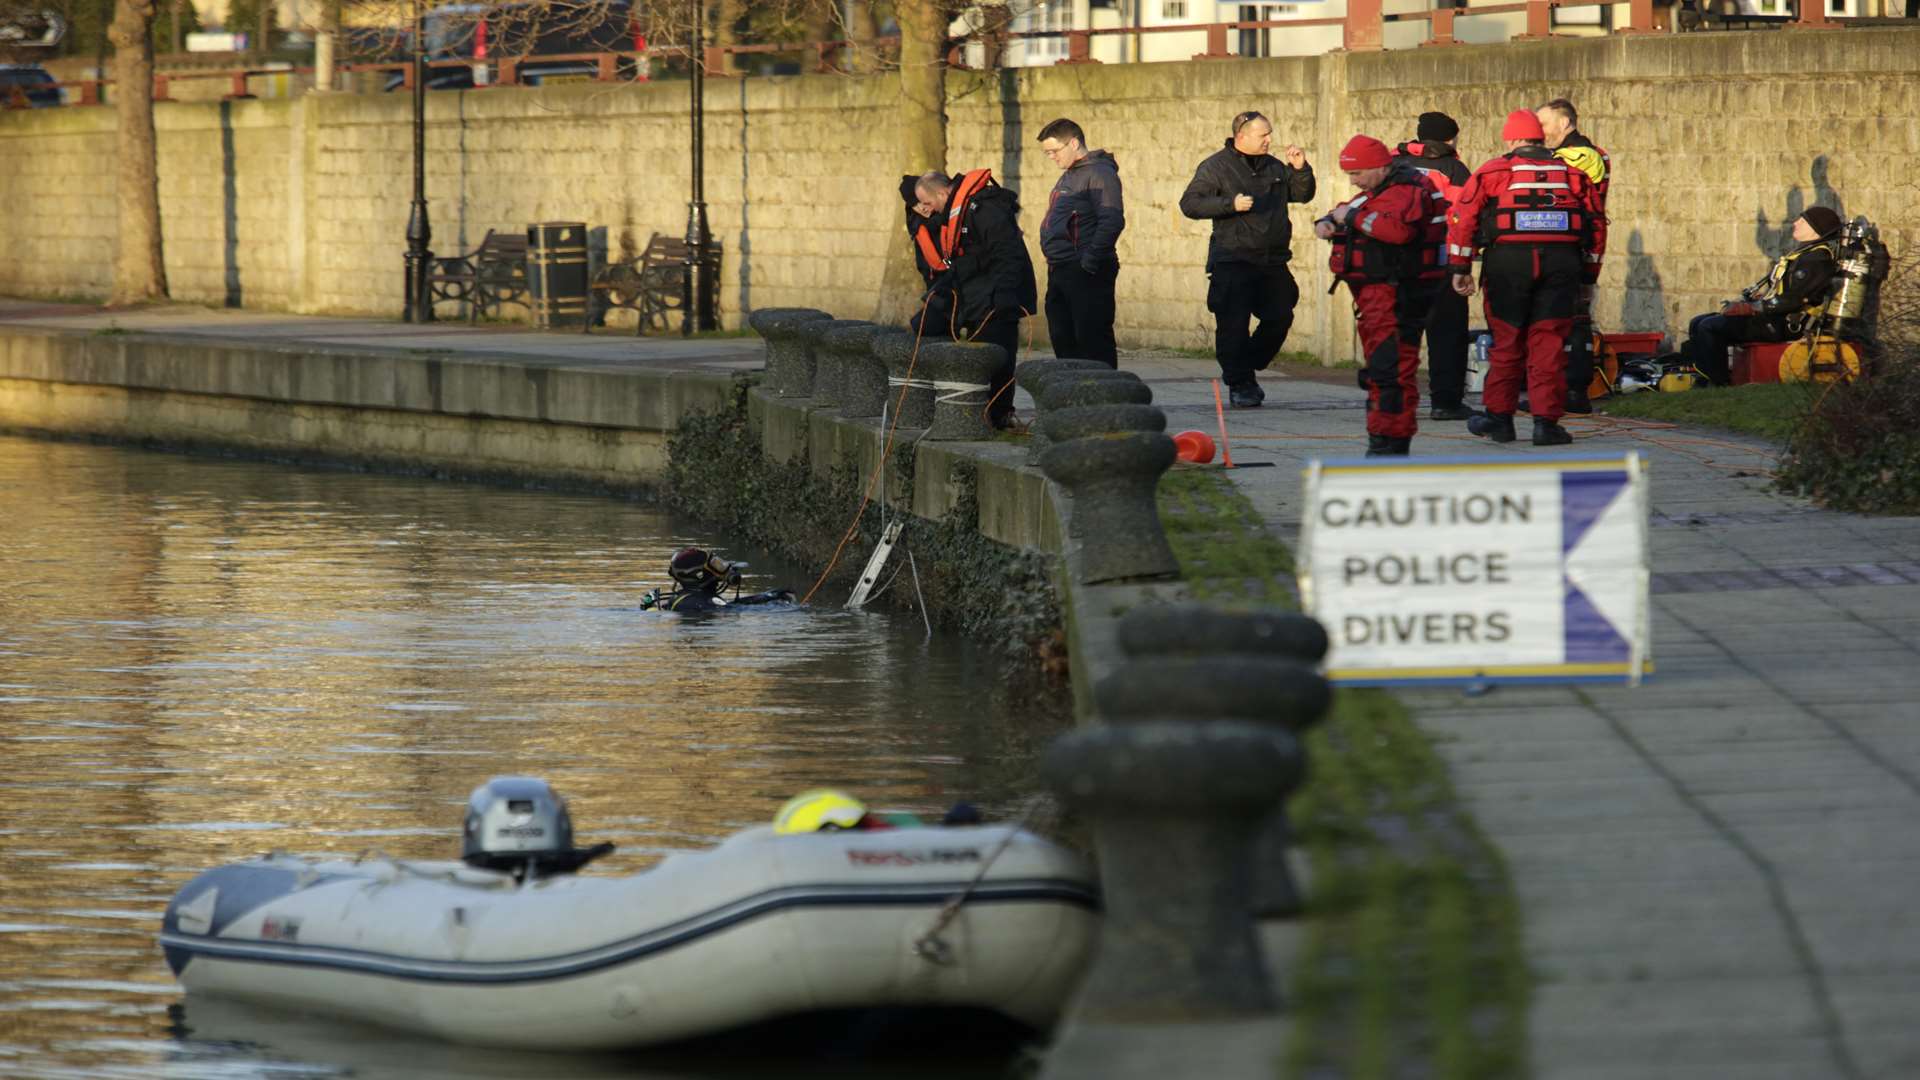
(760, 927)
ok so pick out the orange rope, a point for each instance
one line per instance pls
(886, 449)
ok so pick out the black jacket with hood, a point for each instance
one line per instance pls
(991, 276)
(1085, 215)
(1263, 236)
(1436, 157)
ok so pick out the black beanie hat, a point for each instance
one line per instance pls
(1437, 126)
(1825, 222)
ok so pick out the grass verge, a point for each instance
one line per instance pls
(1412, 964)
(1772, 411)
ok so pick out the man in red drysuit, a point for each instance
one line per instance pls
(1387, 247)
(1537, 222)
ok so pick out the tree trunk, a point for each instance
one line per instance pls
(139, 273)
(923, 137)
(726, 31)
(861, 30)
(326, 46)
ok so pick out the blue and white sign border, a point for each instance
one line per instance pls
(1638, 662)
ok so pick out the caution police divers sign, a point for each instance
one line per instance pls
(1456, 570)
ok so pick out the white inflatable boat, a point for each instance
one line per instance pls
(760, 927)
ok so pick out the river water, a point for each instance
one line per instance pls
(202, 660)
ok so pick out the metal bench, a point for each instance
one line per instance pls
(490, 275)
(652, 284)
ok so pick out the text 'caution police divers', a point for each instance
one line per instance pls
(1479, 570)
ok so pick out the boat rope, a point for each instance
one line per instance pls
(929, 946)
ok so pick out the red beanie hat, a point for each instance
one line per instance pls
(1522, 124)
(1364, 152)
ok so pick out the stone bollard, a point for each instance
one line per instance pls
(1247, 666)
(962, 376)
(1115, 518)
(1082, 421)
(845, 346)
(789, 364)
(866, 376)
(1028, 375)
(1048, 395)
(915, 406)
(829, 365)
(1174, 806)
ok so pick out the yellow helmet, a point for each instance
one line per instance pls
(819, 809)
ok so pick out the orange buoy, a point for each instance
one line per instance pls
(1194, 446)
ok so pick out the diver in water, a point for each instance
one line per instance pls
(699, 577)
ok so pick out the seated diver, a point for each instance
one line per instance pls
(1775, 308)
(699, 578)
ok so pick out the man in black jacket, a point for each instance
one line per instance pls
(979, 277)
(1776, 307)
(1244, 191)
(1084, 220)
(1432, 155)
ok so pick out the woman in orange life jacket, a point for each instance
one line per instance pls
(1537, 220)
(980, 284)
(1386, 247)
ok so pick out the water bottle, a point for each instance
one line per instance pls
(1477, 354)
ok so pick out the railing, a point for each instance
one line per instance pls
(1362, 30)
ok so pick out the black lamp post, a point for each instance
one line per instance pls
(697, 289)
(419, 232)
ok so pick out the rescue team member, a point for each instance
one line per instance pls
(1244, 191)
(979, 277)
(1432, 154)
(1776, 307)
(1387, 244)
(1083, 222)
(1537, 222)
(699, 577)
(1560, 121)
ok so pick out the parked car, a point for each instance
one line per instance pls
(27, 86)
(485, 34)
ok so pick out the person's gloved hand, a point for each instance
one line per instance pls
(1737, 309)
(649, 599)
(1092, 264)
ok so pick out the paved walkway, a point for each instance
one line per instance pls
(1718, 868)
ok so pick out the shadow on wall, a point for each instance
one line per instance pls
(1643, 305)
(229, 208)
(745, 246)
(1011, 143)
(1775, 240)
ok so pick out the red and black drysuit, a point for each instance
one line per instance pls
(1388, 252)
(980, 281)
(1538, 224)
(1447, 325)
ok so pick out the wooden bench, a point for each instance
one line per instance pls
(652, 284)
(490, 275)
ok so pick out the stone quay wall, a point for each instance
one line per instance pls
(1718, 141)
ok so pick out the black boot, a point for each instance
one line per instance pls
(1244, 397)
(1547, 433)
(1493, 426)
(1387, 446)
(1578, 403)
(1455, 411)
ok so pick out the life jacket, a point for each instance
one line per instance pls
(1579, 152)
(1360, 259)
(1770, 286)
(1415, 154)
(939, 251)
(1537, 205)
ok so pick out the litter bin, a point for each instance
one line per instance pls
(557, 273)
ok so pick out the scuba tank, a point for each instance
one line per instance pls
(1853, 304)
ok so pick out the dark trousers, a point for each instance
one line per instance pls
(1530, 299)
(1237, 294)
(1002, 330)
(1080, 313)
(1447, 347)
(1709, 335)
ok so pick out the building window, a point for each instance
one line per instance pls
(1173, 9)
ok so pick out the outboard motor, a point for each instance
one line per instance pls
(519, 825)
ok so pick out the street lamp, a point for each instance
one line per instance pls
(697, 286)
(419, 232)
